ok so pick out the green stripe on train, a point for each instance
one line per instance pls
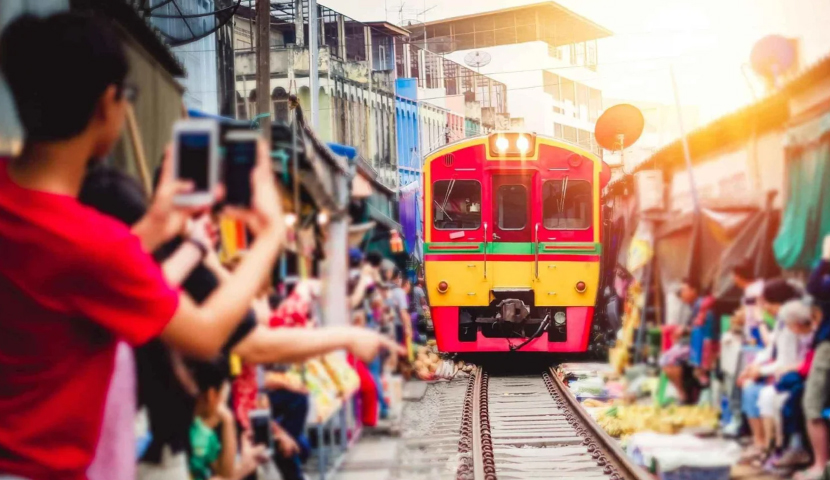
(514, 248)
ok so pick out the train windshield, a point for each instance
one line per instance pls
(566, 205)
(456, 204)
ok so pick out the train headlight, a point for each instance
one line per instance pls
(502, 144)
(580, 287)
(559, 319)
(443, 287)
(522, 144)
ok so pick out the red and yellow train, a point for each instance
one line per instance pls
(513, 247)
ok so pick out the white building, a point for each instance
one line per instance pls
(544, 53)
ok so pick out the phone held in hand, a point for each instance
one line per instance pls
(240, 159)
(196, 159)
(261, 425)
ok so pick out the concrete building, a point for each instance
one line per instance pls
(359, 101)
(356, 78)
(543, 53)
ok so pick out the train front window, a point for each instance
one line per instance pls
(456, 204)
(566, 204)
(512, 205)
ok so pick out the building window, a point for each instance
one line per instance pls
(241, 107)
(566, 205)
(456, 204)
(280, 99)
(512, 205)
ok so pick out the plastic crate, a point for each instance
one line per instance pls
(690, 473)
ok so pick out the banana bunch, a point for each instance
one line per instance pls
(625, 420)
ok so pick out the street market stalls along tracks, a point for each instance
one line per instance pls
(532, 427)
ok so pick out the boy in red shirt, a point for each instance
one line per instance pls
(74, 282)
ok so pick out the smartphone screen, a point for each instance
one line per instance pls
(240, 157)
(262, 430)
(194, 158)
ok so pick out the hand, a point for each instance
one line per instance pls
(202, 231)
(250, 456)
(286, 444)
(366, 344)
(825, 248)
(167, 219)
(266, 204)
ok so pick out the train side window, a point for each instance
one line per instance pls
(567, 204)
(512, 203)
(456, 204)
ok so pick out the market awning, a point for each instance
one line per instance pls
(384, 219)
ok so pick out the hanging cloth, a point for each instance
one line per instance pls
(806, 217)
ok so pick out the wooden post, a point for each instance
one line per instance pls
(138, 151)
(263, 66)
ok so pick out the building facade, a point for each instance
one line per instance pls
(545, 55)
(391, 99)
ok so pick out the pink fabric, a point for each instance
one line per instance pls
(115, 453)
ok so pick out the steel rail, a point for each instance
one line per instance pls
(605, 450)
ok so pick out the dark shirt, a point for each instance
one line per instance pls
(818, 285)
(169, 406)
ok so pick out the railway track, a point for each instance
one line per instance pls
(531, 427)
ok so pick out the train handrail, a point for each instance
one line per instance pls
(536, 251)
(485, 250)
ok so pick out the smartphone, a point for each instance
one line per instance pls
(240, 159)
(261, 425)
(196, 159)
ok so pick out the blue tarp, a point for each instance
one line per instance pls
(343, 150)
(410, 217)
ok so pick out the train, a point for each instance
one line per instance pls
(513, 245)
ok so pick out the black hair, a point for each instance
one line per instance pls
(114, 193)
(745, 269)
(779, 291)
(84, 52)
(211, 375)
(374, 259)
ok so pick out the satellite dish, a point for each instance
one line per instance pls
(773, 55)
(619, 127)
(477, 59)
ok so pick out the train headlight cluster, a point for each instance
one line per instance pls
(443, 287)
(580, 287)
(512, 144)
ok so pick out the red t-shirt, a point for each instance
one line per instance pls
(72, 282)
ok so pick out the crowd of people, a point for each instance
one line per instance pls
(129, 348)
(773, 360)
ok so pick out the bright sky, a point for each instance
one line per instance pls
(707, 41)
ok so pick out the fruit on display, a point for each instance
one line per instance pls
(342, 374)
(430, 366)
(321, 388)
(621, 421)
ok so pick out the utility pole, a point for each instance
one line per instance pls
(313, 53)
(263, 66)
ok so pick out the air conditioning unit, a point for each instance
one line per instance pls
(650, 190)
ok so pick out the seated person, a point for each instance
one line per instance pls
(213, 455)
